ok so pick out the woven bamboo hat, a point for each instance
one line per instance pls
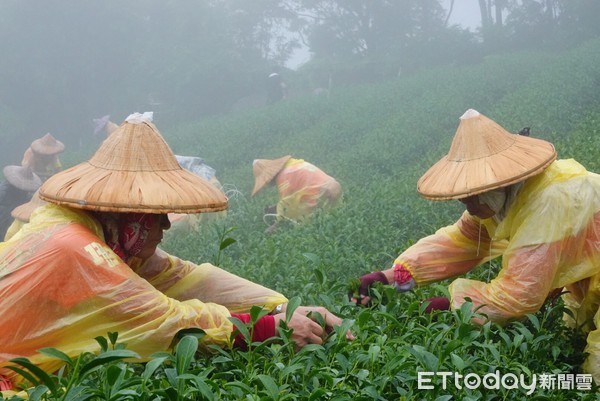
(134, 170)
(484, 156)
(47, 145)
(265, 170)
(22, 177)
(22, 212)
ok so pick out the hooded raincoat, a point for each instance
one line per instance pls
(303, 188)
(61, 286)
(550, 238)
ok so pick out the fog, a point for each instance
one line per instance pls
(67, 62)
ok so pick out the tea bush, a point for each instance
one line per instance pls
(376, 140)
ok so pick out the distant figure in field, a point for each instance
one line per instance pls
(276, 88)
(104, 123)
(21, 214)
(42, 156)
(20, 184)
(188, 222)
(302, 187)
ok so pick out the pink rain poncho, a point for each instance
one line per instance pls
(303, 188)
(550, 238)
(61, 286)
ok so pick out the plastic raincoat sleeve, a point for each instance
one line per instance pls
(61, 286)
(185, 280)
(302, 188)
(13, 228)
(451, 251)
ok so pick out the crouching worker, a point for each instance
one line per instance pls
(541, 215)
(88, 262)
(302, 187)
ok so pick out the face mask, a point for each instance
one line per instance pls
(494, 199)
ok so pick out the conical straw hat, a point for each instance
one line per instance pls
(265, 170)
(22, 212)
(484, 156)
(22, 177)
(47, 145)
(134, 170)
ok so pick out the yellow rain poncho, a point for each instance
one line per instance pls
(61, 286)
(550, 238)
(303, 188)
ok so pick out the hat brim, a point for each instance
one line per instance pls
(14, 175)
(171, 191)
(22, 212)
(456, 179)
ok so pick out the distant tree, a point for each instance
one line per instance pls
(65, 62)
(377, 37)
(528, 24)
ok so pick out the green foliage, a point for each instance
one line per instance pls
(376, 140)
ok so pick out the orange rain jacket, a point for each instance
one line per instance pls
(550, 238)
(303, 188)
(61, 286)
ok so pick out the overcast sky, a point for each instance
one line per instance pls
(465, 13)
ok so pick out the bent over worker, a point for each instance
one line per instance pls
(541, 215)
(88, 263)
(303, 187)
(42, 156)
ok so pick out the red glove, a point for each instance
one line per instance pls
(440, 303)
(365, 283)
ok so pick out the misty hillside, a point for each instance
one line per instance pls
(377, 140)
(399, 127)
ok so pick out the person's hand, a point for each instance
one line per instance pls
(305, 325)
(361, 296)
(438, 303)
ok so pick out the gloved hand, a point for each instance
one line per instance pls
(403, 281)
(362, 298)
(440, 303)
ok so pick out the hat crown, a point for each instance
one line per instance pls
(484, 156)
(48, 139)
(135, 147)
(47, 145)
(478, 136)
(265, 170)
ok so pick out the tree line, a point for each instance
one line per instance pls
(65, 62)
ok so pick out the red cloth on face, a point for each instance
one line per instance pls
(264, 328)
(126, 233)
(5, 384)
